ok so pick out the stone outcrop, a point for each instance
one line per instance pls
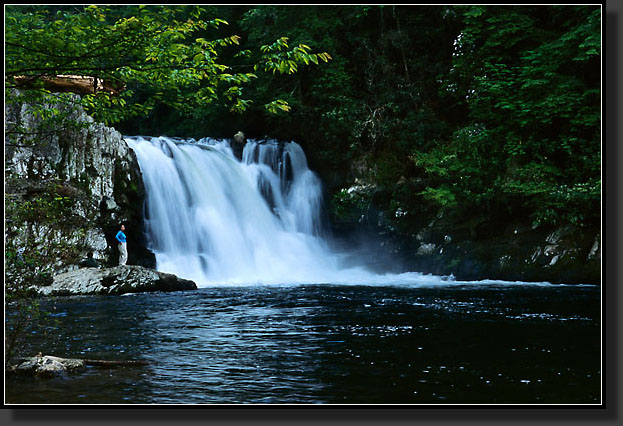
(113, 281)
(67, 189)
(88, 152)
(47, 366)
(566, 254)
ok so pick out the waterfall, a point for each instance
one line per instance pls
(217, 220)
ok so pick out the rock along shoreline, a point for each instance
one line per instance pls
(113, 281)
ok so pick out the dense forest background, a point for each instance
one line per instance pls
(411, 111)
(492, 108)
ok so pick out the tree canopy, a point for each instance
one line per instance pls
(156, 55)
(495, 109)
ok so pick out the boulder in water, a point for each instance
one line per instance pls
(237, 144)
(46, 366)
(117, 280)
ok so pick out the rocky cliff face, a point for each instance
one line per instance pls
(472, 248)
(67, 190)
(513, 251)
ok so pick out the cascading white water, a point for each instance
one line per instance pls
(217, 220)
(214, 219)
(292, 190)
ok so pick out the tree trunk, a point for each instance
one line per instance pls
(72, 83)
(402, 50)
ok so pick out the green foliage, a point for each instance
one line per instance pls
(276, 58)
(530, 80)
(21, 314)
(49, 203)
(443, 195)
(278, 106)
(347, 204)
(154, 55)
(31, 211)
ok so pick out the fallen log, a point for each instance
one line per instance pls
(72, 83)
(107, 363)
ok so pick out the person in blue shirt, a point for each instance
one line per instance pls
(123, 248)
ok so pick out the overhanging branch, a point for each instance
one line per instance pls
(72, 83)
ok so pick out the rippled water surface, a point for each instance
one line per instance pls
(326, 344)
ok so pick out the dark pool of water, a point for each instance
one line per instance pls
(325, 344)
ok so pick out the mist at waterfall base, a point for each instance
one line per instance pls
(218, 220)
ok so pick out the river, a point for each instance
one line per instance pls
(470, 343)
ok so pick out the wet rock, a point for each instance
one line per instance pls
(559, 234)
(237, 144)
(109, 205)
(117, 280)
(47, 366)
(239, 137)
(425, 249)
(504, 261)
(595, 252)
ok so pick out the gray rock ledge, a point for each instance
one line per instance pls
(113, 281)
(46, 366)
